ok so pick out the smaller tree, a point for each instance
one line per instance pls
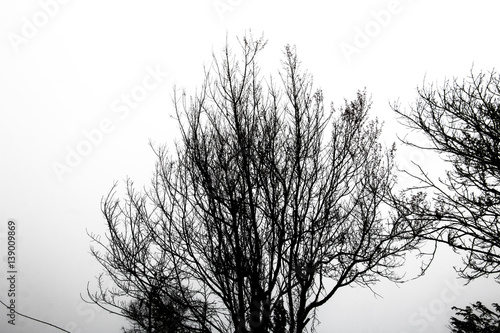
(476, 319)
(144, 288)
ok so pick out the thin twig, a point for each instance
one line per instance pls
(38, 320)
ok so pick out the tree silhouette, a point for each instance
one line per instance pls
(146, 291)
(268, 206)
(478, 319)
(462, 122)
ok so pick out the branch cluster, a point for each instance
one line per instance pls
(462, 122)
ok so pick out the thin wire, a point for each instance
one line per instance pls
(38, 320)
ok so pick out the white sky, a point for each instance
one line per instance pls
(67, 76)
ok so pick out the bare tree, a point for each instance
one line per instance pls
(462, 122)
(269, 206)
(144, 289)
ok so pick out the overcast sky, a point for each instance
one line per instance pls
(68, 129)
